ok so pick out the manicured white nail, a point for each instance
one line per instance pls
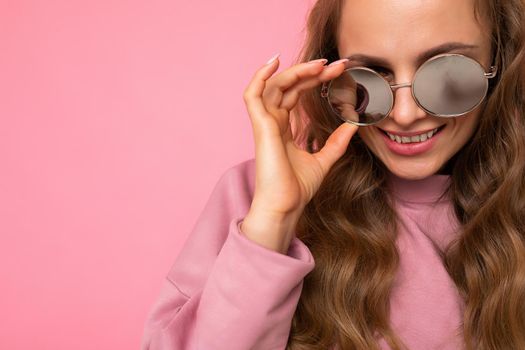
(271, 60)
(320, 60)
(343, 60)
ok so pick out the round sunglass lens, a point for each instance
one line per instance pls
(449, 86)
(360, 96)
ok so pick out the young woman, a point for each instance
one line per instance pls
(392, 215)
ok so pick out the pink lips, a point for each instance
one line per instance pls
(409, 149)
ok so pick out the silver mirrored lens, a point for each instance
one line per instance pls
(449, 86)
(360, 96)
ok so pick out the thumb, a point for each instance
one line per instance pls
(335, 145)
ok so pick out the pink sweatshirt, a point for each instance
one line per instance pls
(225, 291)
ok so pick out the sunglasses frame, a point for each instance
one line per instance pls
(325, 89)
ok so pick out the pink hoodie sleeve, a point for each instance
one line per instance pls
(224, 291)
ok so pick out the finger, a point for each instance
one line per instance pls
(279, 83)
(291, 96)
(269, 148)
(335, 146)
(253, 92)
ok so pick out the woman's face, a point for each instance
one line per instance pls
(398, 32)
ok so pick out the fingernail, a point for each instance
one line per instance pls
(338, 62)
(271, 60)
(320, 60)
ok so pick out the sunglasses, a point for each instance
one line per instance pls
(446, 85)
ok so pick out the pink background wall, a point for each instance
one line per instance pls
(117, 119)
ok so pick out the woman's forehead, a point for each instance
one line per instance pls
(407, 27)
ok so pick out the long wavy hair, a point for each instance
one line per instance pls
(350, 224)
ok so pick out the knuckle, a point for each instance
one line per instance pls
(247, 95)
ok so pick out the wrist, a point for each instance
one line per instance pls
(269, 229)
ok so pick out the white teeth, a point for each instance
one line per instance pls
(415, 138)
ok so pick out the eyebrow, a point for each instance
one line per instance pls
(422, 57)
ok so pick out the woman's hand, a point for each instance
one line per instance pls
(287, 177)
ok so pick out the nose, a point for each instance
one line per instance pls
(405, 110)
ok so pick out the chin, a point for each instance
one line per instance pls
(413, 170)
(411, 175)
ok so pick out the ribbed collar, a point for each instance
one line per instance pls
(427, 190)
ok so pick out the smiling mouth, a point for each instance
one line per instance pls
(438, 129)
